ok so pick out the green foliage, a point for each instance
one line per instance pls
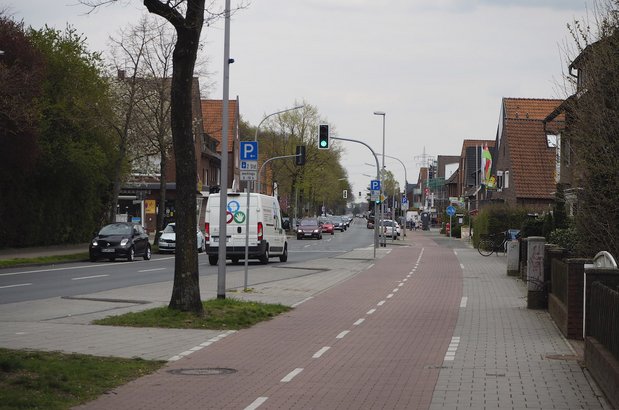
(42, 380)
(567, 238)
(497, 218)
(62, 196)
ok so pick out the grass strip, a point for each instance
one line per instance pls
(52, 380)
(219, 314)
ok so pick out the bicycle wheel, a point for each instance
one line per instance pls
(485, 247)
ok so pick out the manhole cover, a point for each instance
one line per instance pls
(209, 371)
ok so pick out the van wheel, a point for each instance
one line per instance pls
(284, 256)
(213, 259)
(264, 258)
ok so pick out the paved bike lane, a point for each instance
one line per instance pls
(377, 340)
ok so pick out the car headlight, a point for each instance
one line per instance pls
(315, 230)
(124, 242)
(300, 231)
(94, 242)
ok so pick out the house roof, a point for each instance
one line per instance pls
(211, 120)
(530, 108)
(533, 161)
(475, 143)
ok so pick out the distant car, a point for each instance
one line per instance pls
(346, 220)
(167, 240)
(338, 223)
(327, 227)
(309, 228)
(370, 224)
(388, 228)
(120, 240)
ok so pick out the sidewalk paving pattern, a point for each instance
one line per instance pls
(429, 324)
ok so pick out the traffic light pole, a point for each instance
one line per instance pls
(376, 221)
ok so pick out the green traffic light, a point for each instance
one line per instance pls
(323, 144)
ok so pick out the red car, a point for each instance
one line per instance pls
(327, 227)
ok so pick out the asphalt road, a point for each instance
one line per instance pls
(33, 283)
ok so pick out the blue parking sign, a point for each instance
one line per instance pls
(375, 185)
(249, 150)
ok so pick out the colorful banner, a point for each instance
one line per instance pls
(486, 165)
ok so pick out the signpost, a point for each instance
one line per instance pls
(451, 211)
(249, 169)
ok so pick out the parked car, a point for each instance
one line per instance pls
(388, 228)
(120, 240)
(309, 228)
(286, 223)
(167, 240)
(346, 220)
(338, 223)
(327, 226)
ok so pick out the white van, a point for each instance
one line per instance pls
(267, 238)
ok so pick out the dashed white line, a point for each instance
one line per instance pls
(369, 312)
(401, 284)
(256, 403)
(450, 355)
(358, 322)
(371, 266)
(89, 277)
(462, 266)
(303, 301)
(201, 345)
(151, 270)
(395, 290)
(321, 352)
(342, 334)
(382, 302)
(389, 296)
(15, 286)
(291, 375)
(463, 301)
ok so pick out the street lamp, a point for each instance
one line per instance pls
(405, 182)
(382, 205)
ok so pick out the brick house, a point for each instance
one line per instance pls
(525, 160)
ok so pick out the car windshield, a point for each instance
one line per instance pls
(170, 228)
(116, 229)
(337, 219)
(309, 222)
(387, 223)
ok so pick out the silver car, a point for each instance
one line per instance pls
(167, 240)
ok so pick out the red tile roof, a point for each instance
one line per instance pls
(530, 108)
(533, 162)
(212, 111)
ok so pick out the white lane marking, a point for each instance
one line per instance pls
(401, 284)
(395, 290)
(342, 334)
(382, 302)
(90, 277)
(291, 375)
(15, 286)
(358, 322)
(256, 403)
(450, 355)
(201, 345)
(151, 270)
(404, 280)
(321, 352)
(371, 266)
(463, 301)
(94, 265)
(307, 246)
(462, 266)
(389, 296)
(369, 312)
(303, 301)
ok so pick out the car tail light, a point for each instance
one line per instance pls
(207, 232)
(260, 231)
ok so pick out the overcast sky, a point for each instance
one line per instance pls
(437, 68)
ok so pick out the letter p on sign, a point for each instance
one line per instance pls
(249, 150)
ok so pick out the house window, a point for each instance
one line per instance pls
(499, 180)
(506, 179)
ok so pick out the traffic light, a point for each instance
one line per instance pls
(323, 137)
(300, 158)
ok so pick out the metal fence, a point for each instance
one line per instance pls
(604, 317)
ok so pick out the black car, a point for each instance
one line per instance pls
(120, 240)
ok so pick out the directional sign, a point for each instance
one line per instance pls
(375, 185)
(451, 210)
(249, 150)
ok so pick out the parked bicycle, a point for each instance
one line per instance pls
(488, 244)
